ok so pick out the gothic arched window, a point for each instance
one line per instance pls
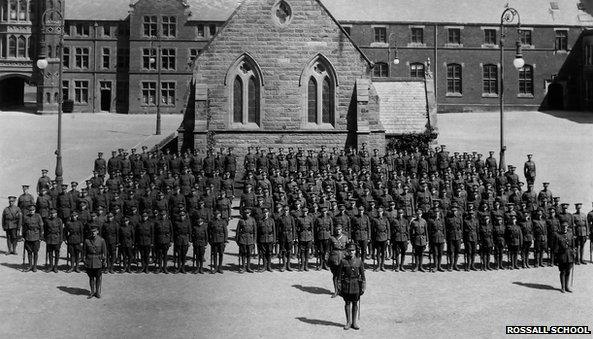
(244, 80)
(320, 92)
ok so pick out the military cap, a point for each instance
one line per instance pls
(470, 206)
(74, 213)
(93, 214)
(100, 153)
(341, 205)
(265, 209)
(11, 198)
(53, 210)
(25, 186)
(94, 228)
(144, 213)
(564, 204)
(556, 198)
(74, 183)
(83, 202)
(324, 207)
(44, 171)
(31, 207)
(529, 155)
(305, 208)
(102, 208)
(578, 204)
(351, 247)
(551, 208)
(182, 212)
(361, 208)
(144, 147)
(163, 211)
(509, 204)
(110, 214)
(546, 183)
(498, 216)
(113, 152)
(491, 152)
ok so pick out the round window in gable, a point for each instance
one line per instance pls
(282, 13)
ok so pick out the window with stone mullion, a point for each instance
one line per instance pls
(245, 98)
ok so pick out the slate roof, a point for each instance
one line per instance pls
(202, 10)
(532, 12)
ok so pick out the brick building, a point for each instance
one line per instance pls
(284, 72)
(113, 52)
(462, 38)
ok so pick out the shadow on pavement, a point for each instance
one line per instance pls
(578, 117)
(73, 290)
(318, 322)
(536, 286)
(313, 289)
(14, 266)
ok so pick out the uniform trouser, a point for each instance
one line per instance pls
(437, 252)
(362, 248)
(54, 253)
(144, 255)
(539, 246)
(399, 252)
(127, 252)
(265, 250)
(322, 249)
(304, 248)
(530, 179)
(470, 251)
(453, 250)
(11, 239)
(181, 250)
(285, 249)
(580, 248)
(75, 250)
(525, 252)
(216, 253)
(380, 247)
(246, 251)
(111, 255)
(161, 253)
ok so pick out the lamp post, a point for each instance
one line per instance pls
(396, 59)
(508, 16)
(57, 27)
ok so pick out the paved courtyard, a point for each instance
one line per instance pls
(292, 304)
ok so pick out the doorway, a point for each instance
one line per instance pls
(556, 97)
(105, 96)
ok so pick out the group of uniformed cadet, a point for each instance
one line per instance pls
(299, 203)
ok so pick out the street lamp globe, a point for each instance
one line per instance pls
(42, 63)
(396, 61)
(519, 62)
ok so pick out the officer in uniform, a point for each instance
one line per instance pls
(217, 231)
(286, 226)
(25, 200)
(564, 254)
(529, 170)
(43, 182)
(305, 238)
(266, 236)
(162, 240)
(400, 230)
(352, 285)
(470, 237)
(581, 232)
(100, 166)
(485, 235)
(436, 231)
(381, 233)
(514, 241)
(454, 226)
(33, 234)
(540, 237)
(110, 233)
(53, 239)
(73, 234)
(144, 239)
(181, 233)
(126, 242)
(12, 218)
(361, 230)
(246, 238)
(527, 232)
(338, 247)
(552, 227)
(95, 251)
(498, 233)
(323, 227)
(199, 239)
(418, 235)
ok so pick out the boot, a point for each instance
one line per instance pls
(92, 284)
(288, 265)
(306, 263)
(562, 283)
(348, 312)
(249, 270)
(269, 264)
(282, 265)
(450, 268)
(9, 246)
(56, 258)
(382, 266)
(419, 260)
(439, 264)
(354, 315)
(488, 268)
(401, 262)
(14, 245)
(71, 268)
(49, 265)
(455, 259)
(472, 262)
(98, 281)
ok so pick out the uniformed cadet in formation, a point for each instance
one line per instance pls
(352, 284)
(149, 207)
